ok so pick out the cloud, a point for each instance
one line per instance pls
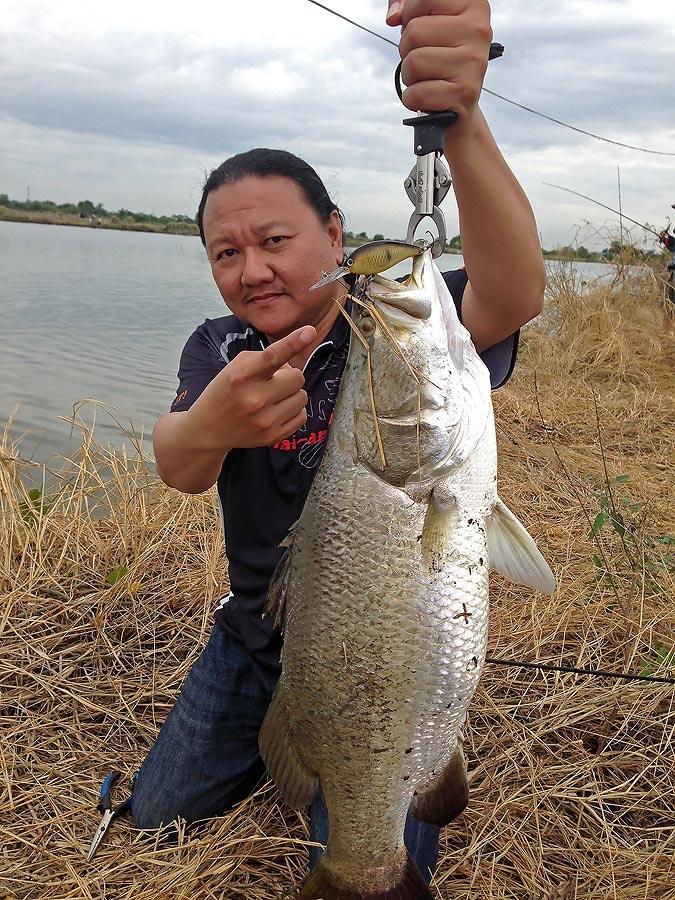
(127, 104)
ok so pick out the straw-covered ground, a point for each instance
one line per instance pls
(109, 583)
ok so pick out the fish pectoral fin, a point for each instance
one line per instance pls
(439, 523)
(406, 883)
(296, 783)
(445, 795)
(513, 553)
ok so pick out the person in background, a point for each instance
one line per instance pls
(668, 241)
(257, 389)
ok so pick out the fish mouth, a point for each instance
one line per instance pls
(406, 302)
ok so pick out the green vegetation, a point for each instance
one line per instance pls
(617, 249)
(86, 213)
(34, 506)
(116, 574)
(352, 239)
(649, 557)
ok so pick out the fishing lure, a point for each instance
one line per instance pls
(371, 259)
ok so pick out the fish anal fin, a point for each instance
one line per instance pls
(296, 783)
(513, 553)
(445, 796)
(323, 884)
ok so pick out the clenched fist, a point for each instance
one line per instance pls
(445, 46)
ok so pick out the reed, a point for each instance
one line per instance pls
(109, 580)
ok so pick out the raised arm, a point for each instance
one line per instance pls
(444, 47)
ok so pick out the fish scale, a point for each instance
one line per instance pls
(387, 583)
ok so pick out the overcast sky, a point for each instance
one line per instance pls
(130, 103)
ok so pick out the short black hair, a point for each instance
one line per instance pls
(264, 162)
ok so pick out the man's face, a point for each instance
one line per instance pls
(267, 246)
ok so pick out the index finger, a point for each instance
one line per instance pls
(276, 355)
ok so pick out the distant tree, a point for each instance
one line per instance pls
(455, 243)
(362, 236)
(378, 237)
(86, 207)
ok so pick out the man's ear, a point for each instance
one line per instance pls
(335, 233)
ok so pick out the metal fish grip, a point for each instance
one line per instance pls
(426, 186)
(429, 179)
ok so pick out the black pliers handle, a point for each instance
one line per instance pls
(429, 179)
(110, 812)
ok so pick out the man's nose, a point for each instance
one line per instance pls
(256, 268)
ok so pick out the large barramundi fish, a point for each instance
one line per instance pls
(385, 583)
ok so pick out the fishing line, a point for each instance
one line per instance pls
(580, 130)
(597, 203)
(545, 667)
(352, 22)
(535, 112)
(598, 673)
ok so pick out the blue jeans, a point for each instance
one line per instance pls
(206, 760)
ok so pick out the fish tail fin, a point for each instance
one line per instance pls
(324, 884)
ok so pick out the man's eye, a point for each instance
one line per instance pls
(227, 253)
(277, 238)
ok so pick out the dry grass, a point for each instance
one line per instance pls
(573, 788)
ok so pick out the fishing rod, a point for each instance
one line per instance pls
(597, 203)
(598, 673)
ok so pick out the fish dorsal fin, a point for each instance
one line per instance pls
(275, 604)
(513, 553)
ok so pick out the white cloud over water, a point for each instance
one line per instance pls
(128, 104)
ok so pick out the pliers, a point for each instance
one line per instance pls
(110, 812)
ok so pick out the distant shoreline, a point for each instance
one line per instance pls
(188, 229)
(51, 218)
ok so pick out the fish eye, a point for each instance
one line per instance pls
(367, 326)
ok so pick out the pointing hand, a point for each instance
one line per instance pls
(257, 399)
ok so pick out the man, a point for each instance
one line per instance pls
(257, 390)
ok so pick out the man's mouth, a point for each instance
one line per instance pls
(262, 299)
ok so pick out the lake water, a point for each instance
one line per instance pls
(88, 313)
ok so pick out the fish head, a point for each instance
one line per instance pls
(415, 374)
